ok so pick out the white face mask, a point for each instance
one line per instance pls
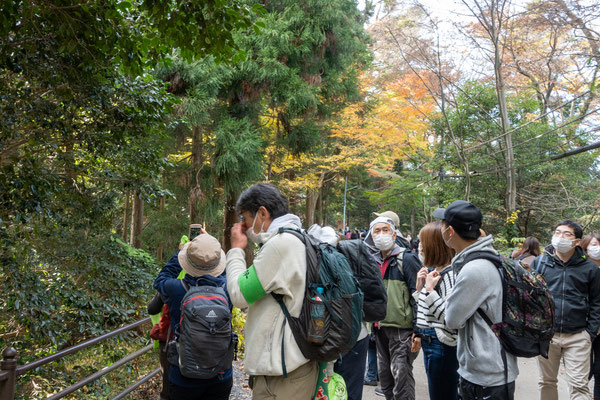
(255, 237)
(421, 255)
(561, 244)
(593, 252)
(447, 242)
(383, 242)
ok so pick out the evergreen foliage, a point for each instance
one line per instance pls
(182, 105)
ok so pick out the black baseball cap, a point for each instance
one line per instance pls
(462, 215)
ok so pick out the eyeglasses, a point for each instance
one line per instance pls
(565, 234)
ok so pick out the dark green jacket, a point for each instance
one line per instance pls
(400, 280)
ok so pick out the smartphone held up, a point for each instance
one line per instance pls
(195, 230)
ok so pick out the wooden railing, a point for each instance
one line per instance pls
(10, 370)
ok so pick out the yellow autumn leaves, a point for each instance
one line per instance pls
(389, 123)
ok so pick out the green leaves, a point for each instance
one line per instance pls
(237, 153)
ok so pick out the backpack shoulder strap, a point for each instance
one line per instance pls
(279, 298)
(485, 317)
(400, 262)
(497, 261)
(522, 257)
(313, 254)
(401, 255)
(185, 285)
(543, 264)
(296, 232)
(486, 255)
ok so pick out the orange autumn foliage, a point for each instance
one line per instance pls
(390, 123)
(395, 128)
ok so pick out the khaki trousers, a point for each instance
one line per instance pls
(300, 384)
(575, 350)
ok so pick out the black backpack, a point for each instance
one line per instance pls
(204, 343)
(365, 270)
(328, 270)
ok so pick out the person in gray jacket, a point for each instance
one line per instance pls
(477, 286)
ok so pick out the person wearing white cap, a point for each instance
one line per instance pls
(400, 239)
(203, 261)
(397, 343)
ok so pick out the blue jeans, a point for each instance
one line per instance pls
(372, 374)
(441, 366)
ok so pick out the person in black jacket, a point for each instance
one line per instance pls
(575, 284)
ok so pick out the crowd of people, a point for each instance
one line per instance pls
(441, 295)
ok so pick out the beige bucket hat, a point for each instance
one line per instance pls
(202, 256)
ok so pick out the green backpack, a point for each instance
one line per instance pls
(328, 276)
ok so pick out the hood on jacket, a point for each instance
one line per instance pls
(482, 244)
(369, 242)
(577, 258)
(287, 221)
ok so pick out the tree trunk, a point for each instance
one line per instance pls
(511, 175)
(311, 204)
(229, 218)
(526, 229)
(125, 226)
(137, 217)
(161, 246)
(511, 180)
(292, 204)
(320, 206)
(312, 197)
(413, 226)
(196, 167)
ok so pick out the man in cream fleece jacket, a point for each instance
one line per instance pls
(477, 286)
(279, 267)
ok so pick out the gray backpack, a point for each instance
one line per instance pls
(204, 343)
